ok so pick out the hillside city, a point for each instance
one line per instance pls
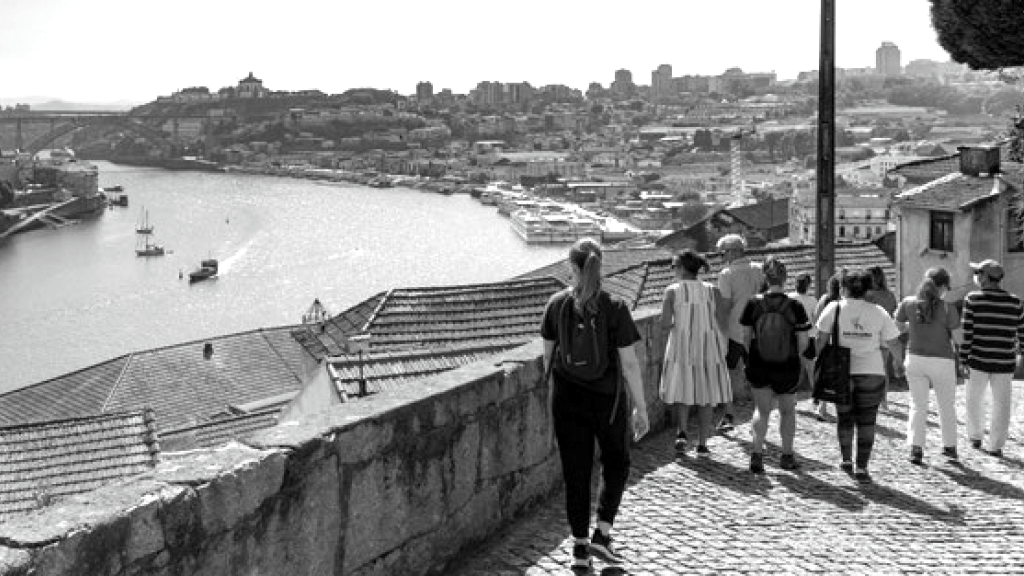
(662, 156)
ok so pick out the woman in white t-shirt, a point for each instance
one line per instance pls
(863, 328)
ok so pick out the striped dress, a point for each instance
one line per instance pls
(993, 326)
(694, 372)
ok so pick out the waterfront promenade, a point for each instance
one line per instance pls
(695, 515)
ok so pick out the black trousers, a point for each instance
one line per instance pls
(582, 417)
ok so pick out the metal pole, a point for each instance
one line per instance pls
(825, 205)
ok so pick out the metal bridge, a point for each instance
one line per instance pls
(63, 122)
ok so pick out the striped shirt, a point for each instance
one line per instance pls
(993, 330)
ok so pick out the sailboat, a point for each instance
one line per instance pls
(144, 227)
(146, 244)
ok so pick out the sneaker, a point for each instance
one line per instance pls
(681, 443)
(997, 453)
(862, 475)
(950, 453)
(846, 466)
(726, 423)
(788, 462)
(601, 546)
(757, 463)
(702, 450)
(916, 455)
(976, 444)
(580, 557)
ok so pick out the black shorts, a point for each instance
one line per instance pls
(736, 353)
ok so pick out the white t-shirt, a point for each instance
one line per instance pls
(809, 303)
(864, 328)
(738, 282)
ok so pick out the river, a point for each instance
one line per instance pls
(73, 297)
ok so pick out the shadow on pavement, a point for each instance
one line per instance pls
(976, 481)
(886, 496)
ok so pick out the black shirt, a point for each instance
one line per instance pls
(780, 376)
(620, 331)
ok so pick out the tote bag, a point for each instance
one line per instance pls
(832, 369)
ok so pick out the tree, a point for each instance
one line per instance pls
(984, 34)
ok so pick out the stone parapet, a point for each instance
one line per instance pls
(397, 483)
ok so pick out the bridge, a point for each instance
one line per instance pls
(63, 122)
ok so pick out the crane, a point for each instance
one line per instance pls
(737, 184)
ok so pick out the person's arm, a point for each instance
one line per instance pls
(668, 310)
(549, 352)
(726, 304)
(825, 326)
(635, 387)
(901, 318)
(968, 333)
(802, 326)
(721, 310)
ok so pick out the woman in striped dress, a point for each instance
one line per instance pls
(694, 372)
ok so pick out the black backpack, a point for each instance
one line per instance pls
(582, 341)
(774, 330)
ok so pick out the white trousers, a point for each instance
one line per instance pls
(999, 425)
(940, 373)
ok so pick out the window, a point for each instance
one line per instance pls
(1014, 232)
(878, 230)
(941, 236)
(856, 231)
(842, 231)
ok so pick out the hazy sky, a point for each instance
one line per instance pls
(109, 50)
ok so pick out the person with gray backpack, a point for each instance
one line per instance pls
(779, 333)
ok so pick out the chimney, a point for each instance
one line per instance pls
(980, 160)
(208, 350)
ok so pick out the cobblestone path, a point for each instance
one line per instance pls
(710, 515)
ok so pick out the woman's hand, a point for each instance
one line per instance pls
(641, 426)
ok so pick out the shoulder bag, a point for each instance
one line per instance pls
(832, 369)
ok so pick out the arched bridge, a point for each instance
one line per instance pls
(63, 123)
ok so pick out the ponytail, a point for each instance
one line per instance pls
(586, 256)
(928, 295)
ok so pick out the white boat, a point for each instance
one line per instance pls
(493, 192)
(147, 244)
(552, 228)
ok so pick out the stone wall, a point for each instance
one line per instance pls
(397, 483)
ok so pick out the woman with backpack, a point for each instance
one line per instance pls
(588, 347)
(931, 322)
(862, 328)
(694, 372)
(779, 335)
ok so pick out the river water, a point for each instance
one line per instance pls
(77, 296)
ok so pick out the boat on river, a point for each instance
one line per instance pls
(539, 227)
(144, 227)
(207, 269)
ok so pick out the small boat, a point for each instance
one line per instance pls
(115, 196)
(150, 249)
(144, 227)
(207, 269)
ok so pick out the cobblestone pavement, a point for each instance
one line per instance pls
(710, 515)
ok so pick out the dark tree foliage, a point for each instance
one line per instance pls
(984, 34)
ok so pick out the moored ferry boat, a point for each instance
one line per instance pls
(553, 227)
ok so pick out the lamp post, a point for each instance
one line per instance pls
(825, 204)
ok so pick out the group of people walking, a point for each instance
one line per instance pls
(746, 330)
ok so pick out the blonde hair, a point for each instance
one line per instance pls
(585, 255)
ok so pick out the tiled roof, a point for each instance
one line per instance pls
(75, 394)
(500, 312)
(217, 432)
(177, 382)
(612, 261)
(763, 215)
(388, 370)
(958, 191)
(51, 459)
(657, 274)
(183, 387)
(328, 338)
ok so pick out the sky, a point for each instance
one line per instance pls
(131, 50)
